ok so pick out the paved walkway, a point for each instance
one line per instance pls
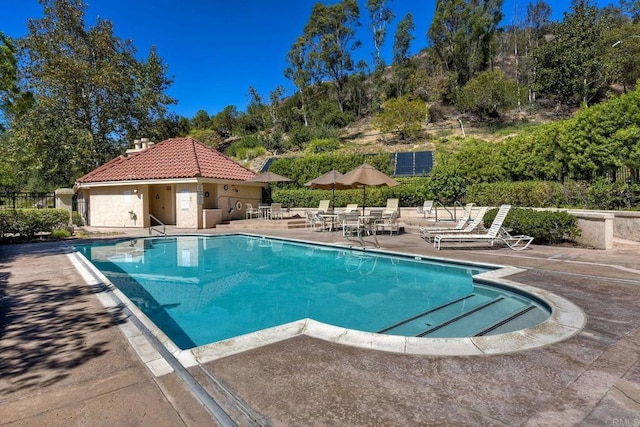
(65, 360)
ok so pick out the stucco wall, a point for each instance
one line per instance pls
(233, 200)
(121, 206)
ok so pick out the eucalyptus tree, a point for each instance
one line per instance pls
(90, 92)
(380, 16)
(331, 37)
(300, 72)
(403, 67)
(463, 33)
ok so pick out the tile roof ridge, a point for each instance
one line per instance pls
(222, 155)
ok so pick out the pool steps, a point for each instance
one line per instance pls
(485, 316)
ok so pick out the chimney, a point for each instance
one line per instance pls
(136, 144)
(145, 142)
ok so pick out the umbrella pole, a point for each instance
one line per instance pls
(364, 198)
(333, 198)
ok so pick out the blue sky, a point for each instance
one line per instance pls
(216, 49)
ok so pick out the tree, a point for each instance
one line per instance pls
(403, 39)
(331, 37)
(538, 19)
(403, 67)
(488, 94)
(380, 16)
(463, 33)
(90, 92)
(12, 100)
(201, 120)
(568, 68)
(403, 116)
(300, 72)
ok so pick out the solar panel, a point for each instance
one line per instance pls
(267, 164)
(404, 164)
(423, 162)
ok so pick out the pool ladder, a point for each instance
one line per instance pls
(156, 228)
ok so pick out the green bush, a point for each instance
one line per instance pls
(26, 223)
(546, 227)
(76, 219)
(324, 145)
(60, 233)
(601, 194)
(535, 194)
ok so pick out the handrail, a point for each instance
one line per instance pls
(152, 228)
(437, 202)
(455, 209)
(453, 216)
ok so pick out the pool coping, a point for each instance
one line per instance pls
(565, 321)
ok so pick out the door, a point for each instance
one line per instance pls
(161, 205)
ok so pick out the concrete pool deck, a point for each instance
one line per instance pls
(65, 360)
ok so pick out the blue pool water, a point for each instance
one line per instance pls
(202, 289)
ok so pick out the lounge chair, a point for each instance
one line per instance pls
(392, 206)
(351, 207)
(463, 226)
(252, 212)
(493, 234)
(427, 209)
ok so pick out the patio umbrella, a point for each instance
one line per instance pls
(268, 178)
(364, 175)
(328, 181)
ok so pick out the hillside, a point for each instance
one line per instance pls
(362, 137)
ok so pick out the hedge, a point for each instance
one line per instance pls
(546, 227)
(26, 223)
(601, 194)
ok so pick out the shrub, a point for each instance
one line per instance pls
(26, 223)
(403, 116)
(488, 94)
(546, 227)
(325, 145)
(76, 219)
(60, 233)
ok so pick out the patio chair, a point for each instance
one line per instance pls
(463, 226)
(392, 206)
(324, 205)
(314, 221)
(353, 225)
(427, 209)
(276, 211)
(389, 223)
(351, 207)
(252, 212)
(494, 233)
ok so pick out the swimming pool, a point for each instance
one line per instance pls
(203, 289)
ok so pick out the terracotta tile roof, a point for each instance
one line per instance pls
(172, 158)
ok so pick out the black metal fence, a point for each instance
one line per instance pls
(26, 200)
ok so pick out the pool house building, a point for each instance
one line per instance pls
(179, 181)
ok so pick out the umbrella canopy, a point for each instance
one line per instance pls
(364, 175)
(328, 181)
(268, 177)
